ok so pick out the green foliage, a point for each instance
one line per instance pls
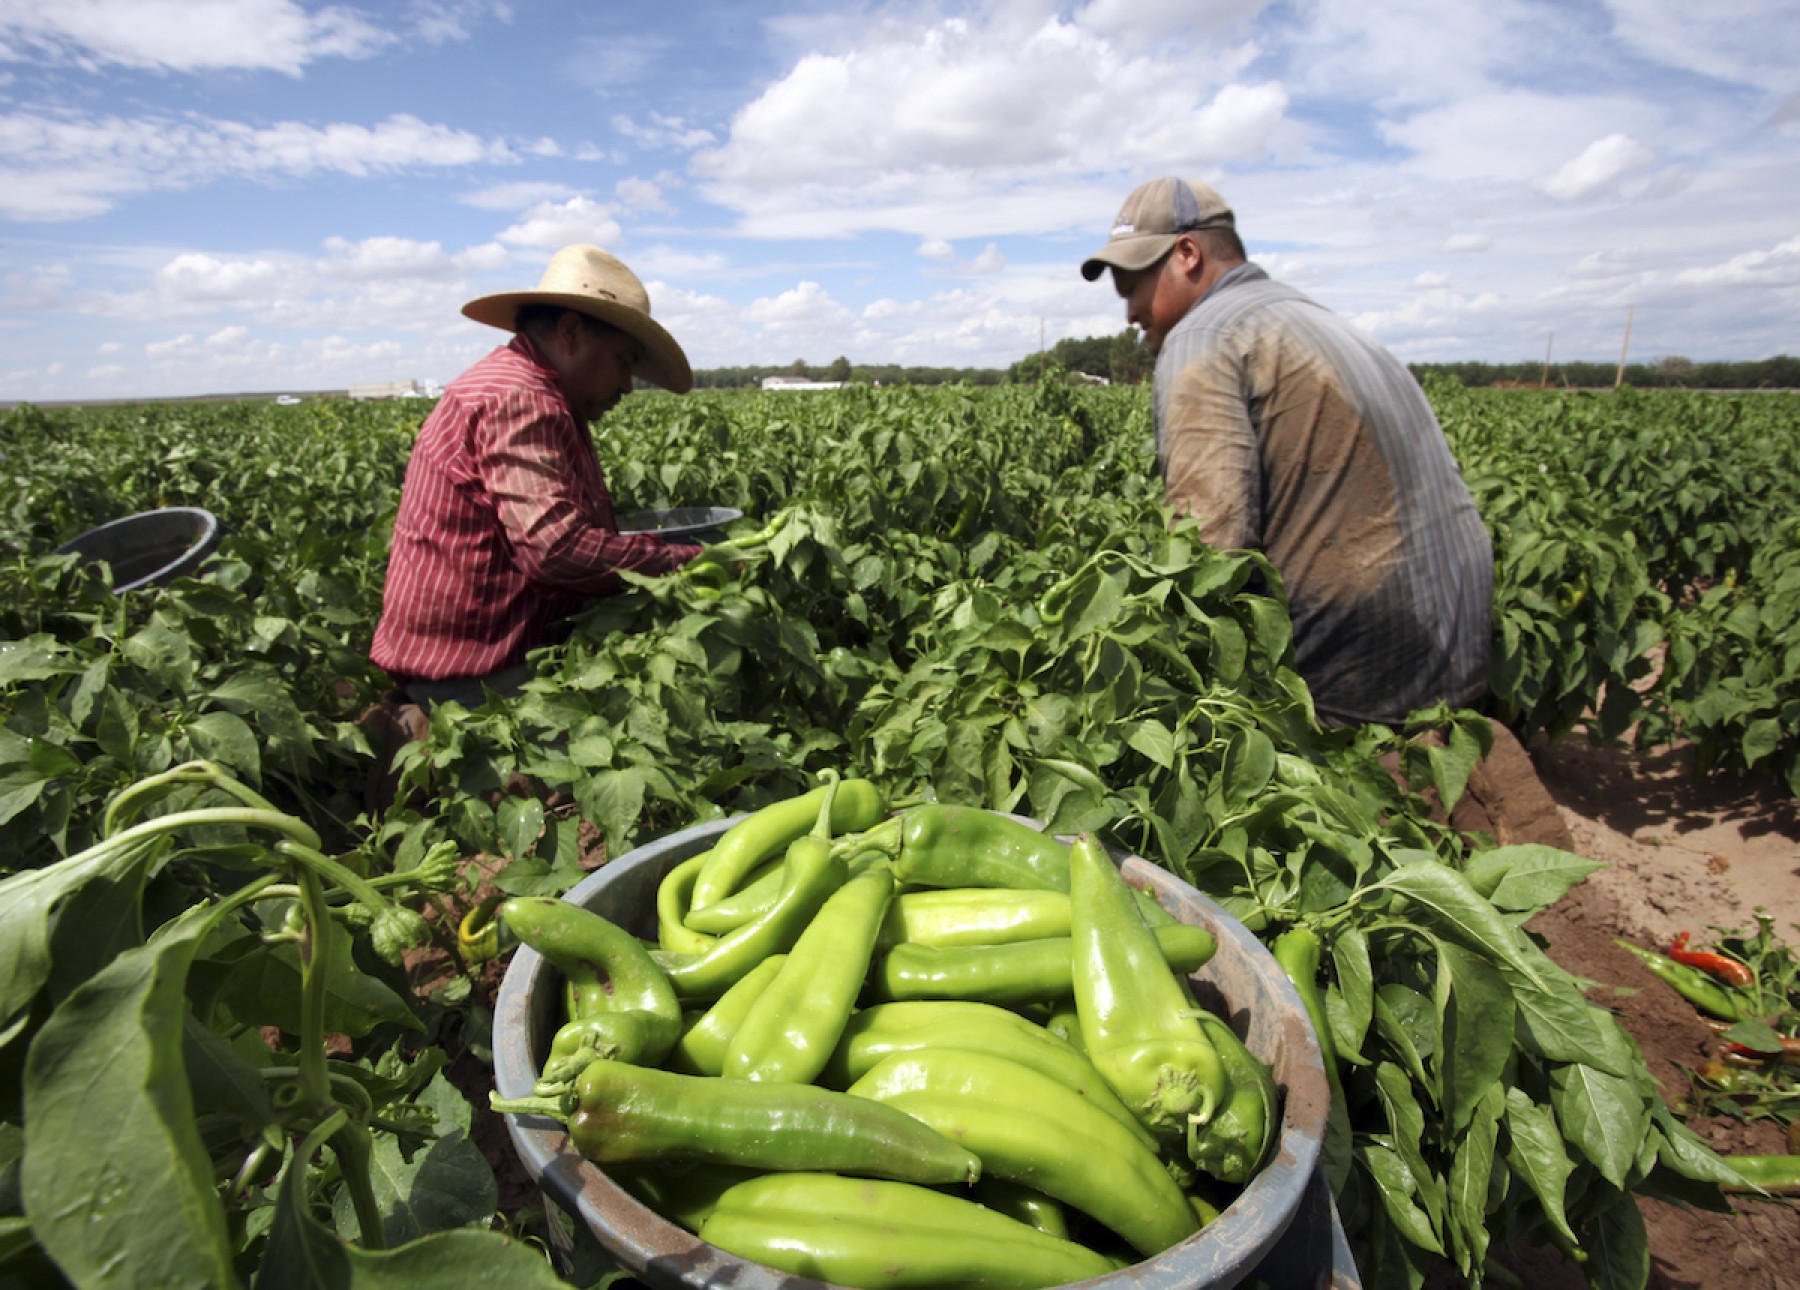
(977, 597)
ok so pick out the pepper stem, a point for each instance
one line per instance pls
(822, 829)
(553, 1108)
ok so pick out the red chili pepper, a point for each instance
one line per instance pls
(1788, 1056)
(1718, 966)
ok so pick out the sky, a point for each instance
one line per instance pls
(243, 196)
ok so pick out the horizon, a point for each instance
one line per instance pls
(278, 194)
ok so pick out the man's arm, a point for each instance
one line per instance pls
(554, 505)
(1212, 463)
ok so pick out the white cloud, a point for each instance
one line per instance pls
(663, 132)
(1466, 243)
(1431, 281)
(67, 165)
(1600, 165)
(517, 196)
(196, 276)
(937, 249)
(989, 261)
(1009, 119)
(641, 195)
(389, 257)
(1777, 267)
(807, 305)
(1739, 42)
(550, 225)
(187, 35)
(1504, 136)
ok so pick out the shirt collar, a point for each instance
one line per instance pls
(1236, 275)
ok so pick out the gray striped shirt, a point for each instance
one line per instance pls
(1283, 429)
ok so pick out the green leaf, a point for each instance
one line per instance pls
(1475, 1010)
(1536, 1153)
(520, 820)
(1528, 877)
(303, 1254)
(1454, 909)
(116, 1178)
(263, 989)
(1471, 1178)
(1602, 1115)
(1408, 1022)
(224, 737)
(612, 800)
(446, 1184)
(1397, 1190)
(1355, 989)
(1618, 1246)
(28, 904)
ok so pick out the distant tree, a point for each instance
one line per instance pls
(839, 369)
(797, 367)
(1128, 359)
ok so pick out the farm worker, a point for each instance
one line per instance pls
(505, 523)
(1283, 429)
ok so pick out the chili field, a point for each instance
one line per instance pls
(221, 1060)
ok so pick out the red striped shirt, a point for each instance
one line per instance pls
(505, 526)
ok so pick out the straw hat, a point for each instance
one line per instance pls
(591, 281)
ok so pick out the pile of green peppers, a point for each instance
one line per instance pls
(930, 1048)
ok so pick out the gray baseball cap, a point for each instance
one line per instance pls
(1152, 218)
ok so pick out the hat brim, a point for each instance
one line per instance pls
(1132, 253)
(664, 363)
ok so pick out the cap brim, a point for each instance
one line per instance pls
(664, 363)
(1138, 251)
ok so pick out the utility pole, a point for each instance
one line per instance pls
(1625, 348)
(1544, 380)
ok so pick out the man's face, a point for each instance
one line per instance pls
(1156, 298)
(597, 370)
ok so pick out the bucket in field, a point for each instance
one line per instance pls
(151, 547)
(699, 524)
(1282, 1229)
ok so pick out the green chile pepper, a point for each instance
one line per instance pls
(683, 1193)
(889, 1236)
(975, 916)
(1137, 1022)
(733, 911)
(944, 845)
(1299, 952)
(1029, 1128)
(618, 1112)
(1022, 972)
(1779, 1175)
(674, 901)
(766, 833)
(1028, 1205)
(810, 879)
(609, 970)
(1692, 984)
(793, 1026)
(622, 1036)
(880, 1032)
(700, 1048)
(1233, 1143)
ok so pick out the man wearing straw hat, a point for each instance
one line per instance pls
(1283, 429)
(505, 523)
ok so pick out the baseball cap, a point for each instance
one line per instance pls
(1151, 219)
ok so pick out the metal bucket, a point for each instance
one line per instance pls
(151, 547)
(1283, 1228)
(700, 524)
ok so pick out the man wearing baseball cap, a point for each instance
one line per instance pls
(506, 523)
(1283, 429)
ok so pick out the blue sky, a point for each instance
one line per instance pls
(214, 196)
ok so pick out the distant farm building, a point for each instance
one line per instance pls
(798, 383)
(396, 390)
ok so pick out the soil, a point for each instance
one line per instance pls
(1682, 853)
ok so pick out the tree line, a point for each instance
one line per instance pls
(1122, 359)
